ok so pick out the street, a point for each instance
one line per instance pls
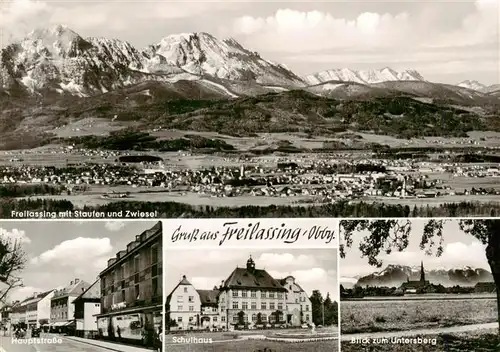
(67, 345)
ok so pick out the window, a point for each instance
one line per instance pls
(254, 305)
(235, 318)
(123, 296)
(296, 300)
(137, 292)
(280, 306)
(307, 317)
(290, 287)
(223, 318)
(179, 308)
(191, 308)
(214, 319)
(280, 295)
(214, 310)
(271, 294)
(263, 317)
(254, 317)
(235, 305)
(222, 299)
(185, 290)
(155, 286)
(180, 299)
(190, 319)
(244, 306)
(244, 294)
(253, 294)
(271, 305)
(263, 305)
(235, 293)
(262, 294)
(179, 319)
(222, 308)
(136, 264)
(307, 308)
(191, 299)
(154, 254)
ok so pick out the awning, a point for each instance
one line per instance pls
(145, 309)
(69, 322)
(59, 323)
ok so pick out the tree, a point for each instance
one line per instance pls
(12, 262)
(317, 309)
(241, 317)
(386, 235)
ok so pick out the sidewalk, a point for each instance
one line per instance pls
(109, 345)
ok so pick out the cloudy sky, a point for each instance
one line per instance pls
(446, 41)
(314, 269)
(60, 251)
(460, 250)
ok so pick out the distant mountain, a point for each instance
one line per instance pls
(477, 86)
(59, 60)
(203, 54)
(395, 275)
(363, 76)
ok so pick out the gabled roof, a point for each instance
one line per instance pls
(283, 282)
(252, 279)
(208, 297)
(184, 281)
(37, 298)
(91, 293)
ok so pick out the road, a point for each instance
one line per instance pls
(7, 345)
(431, 331)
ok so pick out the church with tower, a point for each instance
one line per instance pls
(416, 286)
(248, 296)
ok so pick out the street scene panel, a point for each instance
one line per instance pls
(251, 300)
(419, 285)
(81, 286)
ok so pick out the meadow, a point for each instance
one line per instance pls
(477, 341)
(393, 315)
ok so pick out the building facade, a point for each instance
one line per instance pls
(249, 297)
(62, 310)
(38, 309)
(131, 289)
(87, 307)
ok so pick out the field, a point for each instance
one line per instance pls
(392, 315)
(477, 342)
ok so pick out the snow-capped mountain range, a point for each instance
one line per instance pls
(59, 60)
(363, 76)
(475, 85)
(395, 275)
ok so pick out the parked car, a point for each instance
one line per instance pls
(35, 332)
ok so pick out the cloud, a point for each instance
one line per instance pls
(312, 279)
(15, 235)
(281, 260)
(22, 293)
(114, 225)
(293, 31)
(78, 254)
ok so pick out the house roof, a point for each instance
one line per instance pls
(283, 282)
(92, 292)
(252, 279)
(208, 297)
(184, 281)
(36, 298)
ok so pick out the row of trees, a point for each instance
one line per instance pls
(339, 209)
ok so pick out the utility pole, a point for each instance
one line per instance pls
(323, 309)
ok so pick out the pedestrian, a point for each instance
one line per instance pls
(119, 332)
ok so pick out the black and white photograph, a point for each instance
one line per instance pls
(260, 300)
(89, 286)
(420, 285)
(250, 109)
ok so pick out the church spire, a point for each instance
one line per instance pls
(422, 272)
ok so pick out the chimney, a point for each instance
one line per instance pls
(183, 277)
(77, 280)
(71, 282)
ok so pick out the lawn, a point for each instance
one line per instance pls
(393, 315)
(256, 346)
(478, 342)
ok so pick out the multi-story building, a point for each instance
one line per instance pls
(131, 288)
(87, 307)
(184, 305)
(248, 297)
(38, 309)
(62, 310)
(18, 313)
